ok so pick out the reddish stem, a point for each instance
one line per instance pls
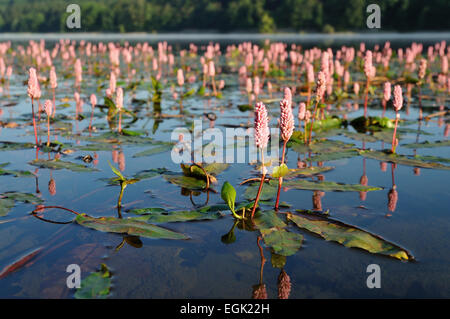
(34, 122)
(280, 179)
(366, 97)
(259, 193)
(395, 132)
(312, 121)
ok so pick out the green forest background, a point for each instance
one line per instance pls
(263, 16)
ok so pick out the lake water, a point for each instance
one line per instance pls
(204, 266)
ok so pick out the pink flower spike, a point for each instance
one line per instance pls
(93, 100)
(33, 84)
(387, 91)
(119, 98)
(261, 126)
(53, 78)
(288, 95)
(180, 77)
(356, 88)
(112, 83)
(286, 120)
(321, 85)
(211, 69)
(48, 107)
(368, 64)
(398, 98)
(302, 111)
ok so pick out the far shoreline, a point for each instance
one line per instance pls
(191, 36)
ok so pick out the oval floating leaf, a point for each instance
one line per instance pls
(127, 226)
(401, 159)
(349, 236)
(96, 285)
(58, 164)
(427, 144)
(160, 215)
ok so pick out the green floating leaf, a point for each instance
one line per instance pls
(133, 133)
(363, 124)
(273, 231)
(8, 200)
(185, 181)
(308, 171)
(94, 147)
(427, 144)
(401, 159)
(58, 164)
(349, 236)
(14, 146)
(429, 158)
(386, 135)
(268, 191)
(117, 138)
(197, 172)
(153, 151)
(322, 146)
(334, 156)
(14, 172)
(22, 197)
(6, 204)
(282, 242)
(267, 220)
(149, 173)
(160, 215)
(360, 137)
(328, 186)
(127, 226)
(95, 286)
(245, 107)
(326, 124)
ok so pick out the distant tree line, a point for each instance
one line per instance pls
(223, 15)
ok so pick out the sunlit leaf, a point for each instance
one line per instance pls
(308, 171)
(6, 204)
(159, 215)
(58, 164)
(401, 159)
(328, 186)
(14, 172)
(282, 242)
(155, 150)
(127, 226)
(427, 144)
(349, 236)
(185, 181)
(334, 156)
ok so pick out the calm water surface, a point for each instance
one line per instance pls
(205, 267)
